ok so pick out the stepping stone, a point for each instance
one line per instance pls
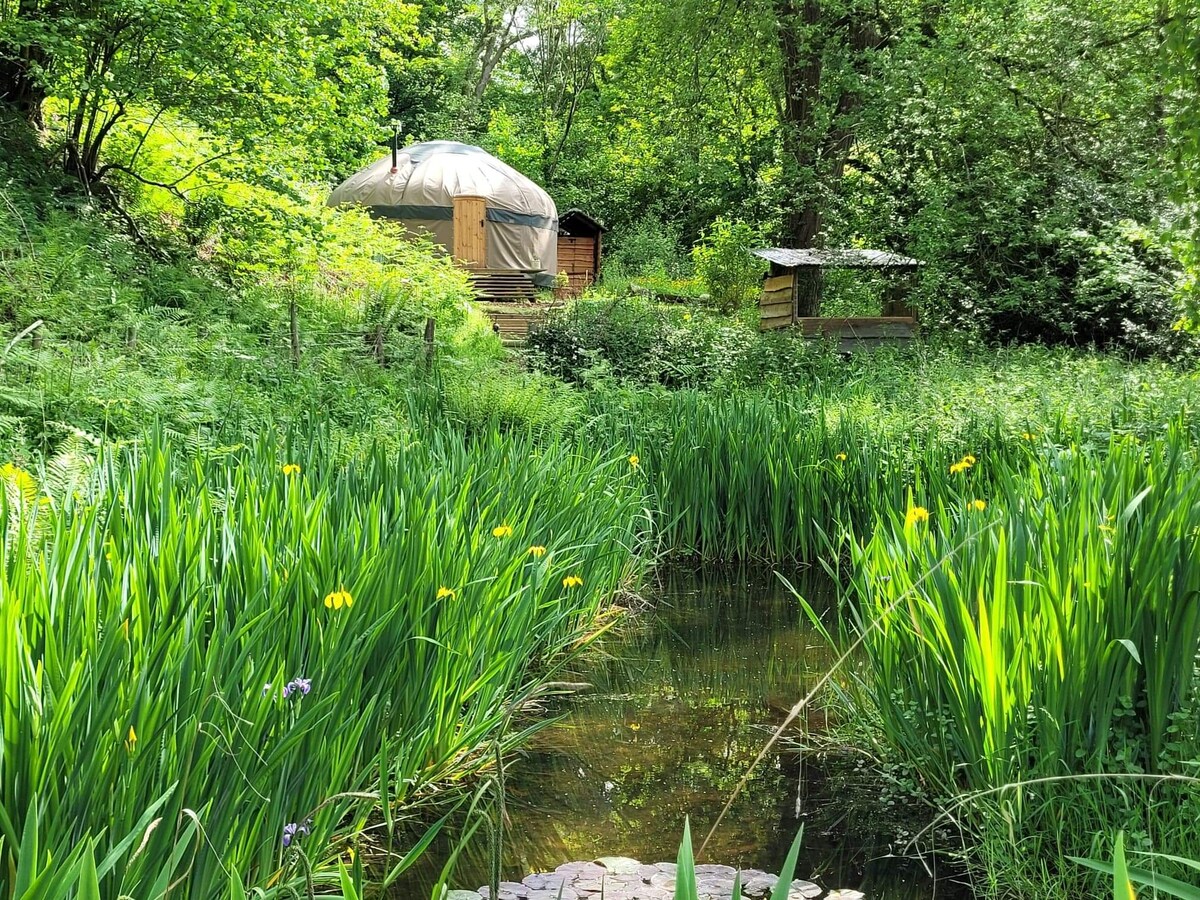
(803, 890)
(544, 881)
(664, 880)
(619, 865)
(665, 867)
(581, 870)
(623, 882)
(647, 872)
(464, 895)
(708, 869)
(593, 885)
(758, 885)
(509, 890)
(714, 888)
(846, 894)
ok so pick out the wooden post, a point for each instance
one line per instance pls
(429, 325)
(377, 344)
(294, 327)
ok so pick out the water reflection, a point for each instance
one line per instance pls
(684, 697)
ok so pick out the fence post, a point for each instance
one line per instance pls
(294, 328)
(429, 325)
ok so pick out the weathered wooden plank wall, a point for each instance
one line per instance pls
(577, 257)
(777, 301)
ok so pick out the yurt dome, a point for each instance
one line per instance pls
(480, 209)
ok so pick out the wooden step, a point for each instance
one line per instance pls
(501, 285)
(513, 319)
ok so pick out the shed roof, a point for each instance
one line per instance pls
(575, 216)
(836, 259)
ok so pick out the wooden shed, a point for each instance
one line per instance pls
(580, 239)
(778, 304)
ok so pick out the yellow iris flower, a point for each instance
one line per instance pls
(537, 550)
(445, 592)
(502, 531)
(572, 581)
(914, 515)
(291, 469)
(339, 598)
(962, 465)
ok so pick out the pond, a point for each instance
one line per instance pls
(683, 697)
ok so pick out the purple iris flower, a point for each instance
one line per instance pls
(303, 685)
(293, 830)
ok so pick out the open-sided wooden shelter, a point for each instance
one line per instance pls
(778, 306)
(580, 239)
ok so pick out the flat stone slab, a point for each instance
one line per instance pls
(623, 878)
(618, 865)
(805, 889)
(509, 890)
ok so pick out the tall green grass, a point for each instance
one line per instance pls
(748, 476)
(153, 603)
(1044, 641)
(155, 619)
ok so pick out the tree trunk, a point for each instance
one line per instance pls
(20, 89)
(817, 154)
(802, 64)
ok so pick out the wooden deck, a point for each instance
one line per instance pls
(860, 333)
(501, 284)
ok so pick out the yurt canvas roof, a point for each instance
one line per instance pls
(522, 221)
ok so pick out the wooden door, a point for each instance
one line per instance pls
(470, 231)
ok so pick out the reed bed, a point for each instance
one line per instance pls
(227, 666)
(218, 668)
(1042, 634)
(749, 476)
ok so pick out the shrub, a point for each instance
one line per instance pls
(648, 248)
(726, 267)
(638, 340)
(1112, 290)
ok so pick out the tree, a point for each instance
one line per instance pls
(244, 71)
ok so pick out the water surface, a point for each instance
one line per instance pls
(684, 696)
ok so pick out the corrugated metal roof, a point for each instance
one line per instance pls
(836, 259)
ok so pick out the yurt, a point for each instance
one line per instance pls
(489, 216)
